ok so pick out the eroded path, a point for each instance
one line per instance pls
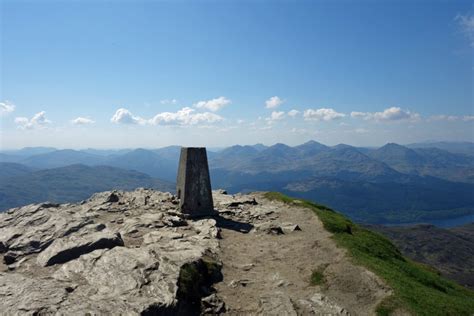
(267, 272)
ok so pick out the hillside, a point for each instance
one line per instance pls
(62, 158)
(134, 253)
(449, 250)
(416, 200)
(71, 184)
(466, 148)
(427, 162)
(11, 169)
(147, 161)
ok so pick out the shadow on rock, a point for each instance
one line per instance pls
(230, 224)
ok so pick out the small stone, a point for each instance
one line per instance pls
(290, 227)
(213, 304)
(174, 221)
(220, 191)
(10, 257)
(247, 267)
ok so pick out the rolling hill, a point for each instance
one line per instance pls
(71, 184)
(11, 169)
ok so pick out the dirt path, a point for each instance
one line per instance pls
(269, 273)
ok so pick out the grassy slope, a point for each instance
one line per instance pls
(417, 288)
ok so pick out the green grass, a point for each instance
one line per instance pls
(417, 288)
(317, 276)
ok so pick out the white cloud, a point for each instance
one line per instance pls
(213, 105)
(124, 116)
(275, 116)
(390, 114)
(38, 120)
(82, 121)
(6, 107)
(169, 101)
(466, 22)
(293, 113)
(451, 118)
(273, 102)
(227, 129)
(323, 114)
(304, 131)
(361, 130)
(185, 116)
(442, 117)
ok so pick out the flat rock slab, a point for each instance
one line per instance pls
(68, 248)
(21, 294)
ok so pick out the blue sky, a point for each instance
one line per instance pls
(110, 74)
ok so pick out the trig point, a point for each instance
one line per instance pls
(193, 185)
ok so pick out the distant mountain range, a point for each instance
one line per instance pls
(466, 148)
(392, 183)
(20, 185)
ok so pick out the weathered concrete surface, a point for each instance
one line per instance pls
(193, 184)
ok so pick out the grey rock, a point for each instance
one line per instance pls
(247, 267)
(138, 274)
(72, 247)
(174, 221)
(289, 227)
(212, 305)
(161, 235)
(112, 198)
(234, 201)
(10, 257)
(24, 295)
(32, 228)
(237, 283)
(269, 228)
(320, 304)
(219, 191)
(276, 304)
(63, 259)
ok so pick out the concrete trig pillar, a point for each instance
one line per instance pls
(193, 185)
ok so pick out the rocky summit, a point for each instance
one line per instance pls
(136, 253)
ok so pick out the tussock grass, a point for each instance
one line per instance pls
(417, 288)
(317, 276)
